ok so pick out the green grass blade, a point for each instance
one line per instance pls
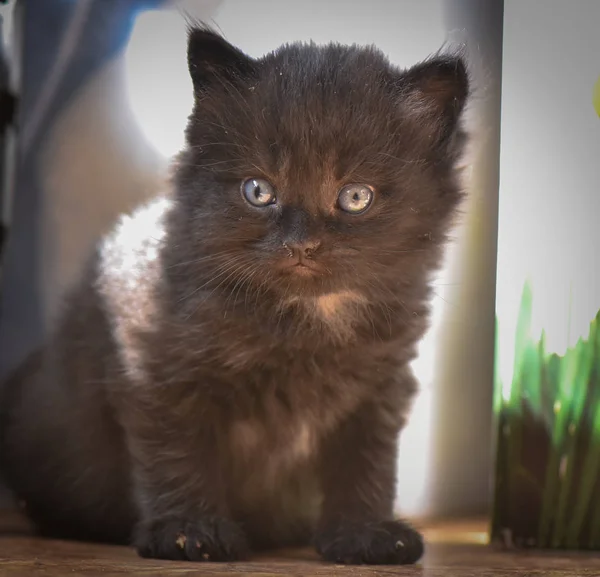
(578, 377)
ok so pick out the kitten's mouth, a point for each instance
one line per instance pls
(304, 268)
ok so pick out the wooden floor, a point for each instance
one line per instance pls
(454, 550)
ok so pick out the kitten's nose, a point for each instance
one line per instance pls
(302, 249)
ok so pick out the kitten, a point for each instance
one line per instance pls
(233, 371)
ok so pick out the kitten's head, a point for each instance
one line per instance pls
(319, 170)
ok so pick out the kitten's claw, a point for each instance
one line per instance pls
(207, 539)
(384, 543)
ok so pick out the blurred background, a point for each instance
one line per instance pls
(104, 97)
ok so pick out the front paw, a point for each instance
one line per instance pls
(205, 539)
(383, 543)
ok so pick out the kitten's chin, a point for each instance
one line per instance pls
(305, 279)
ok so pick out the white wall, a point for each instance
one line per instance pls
(549, 229)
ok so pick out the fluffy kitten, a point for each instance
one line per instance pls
(233, 371)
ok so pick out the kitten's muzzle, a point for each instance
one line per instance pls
(300, 257)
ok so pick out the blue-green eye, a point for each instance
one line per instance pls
(355, 198)
(258, 192)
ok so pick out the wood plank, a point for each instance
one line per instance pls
(455, 549)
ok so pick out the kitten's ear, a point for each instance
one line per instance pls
(437, 90)
(212, 60)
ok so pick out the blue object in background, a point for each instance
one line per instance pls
(64, 43)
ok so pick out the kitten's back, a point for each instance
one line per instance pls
(56, 420)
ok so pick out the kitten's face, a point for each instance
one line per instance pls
(317, 171)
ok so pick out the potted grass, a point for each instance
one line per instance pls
(547, 485)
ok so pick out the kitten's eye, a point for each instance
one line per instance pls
(355, 198)
(258, 192)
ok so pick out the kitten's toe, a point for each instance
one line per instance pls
(383, 543)
(206, 539)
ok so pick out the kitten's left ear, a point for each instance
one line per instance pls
(437, 90)
(212, 60)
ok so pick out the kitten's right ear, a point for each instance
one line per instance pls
(212, 60)
(437, 91)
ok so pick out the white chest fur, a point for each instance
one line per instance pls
(251, 439)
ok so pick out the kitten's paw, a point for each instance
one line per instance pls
(206, 539)
(384, 543)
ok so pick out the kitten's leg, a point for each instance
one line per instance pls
(358, 474)
(178, 482)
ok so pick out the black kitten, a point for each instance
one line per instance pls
(233, 371)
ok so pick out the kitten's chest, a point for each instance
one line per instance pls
(286, 413)
(270, 448)
(271, 440)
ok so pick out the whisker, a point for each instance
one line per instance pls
(218, 273)
(261, 287)
(234, 271)
(239, 285)
(446, 301)
(202, 259)
(395, 297)
(404, 251)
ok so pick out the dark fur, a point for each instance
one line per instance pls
(259, 411)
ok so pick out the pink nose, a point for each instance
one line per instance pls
(303, 249)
